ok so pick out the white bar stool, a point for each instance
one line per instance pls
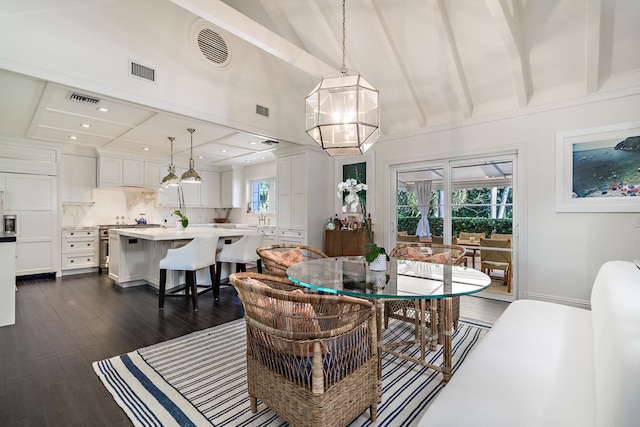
(239, 252)
(198, 253)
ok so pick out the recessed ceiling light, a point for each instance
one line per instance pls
(223, 151)
(263, 158)
(85, 125)
(73, 137)
(253, 143)
(103, 109)
(201, 157)
(247, 161)
(146, 148)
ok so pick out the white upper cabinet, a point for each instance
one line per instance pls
(110, 171)
(118, 171)
(78, 179)
(210, 189)
(230, 188)
(133, 172)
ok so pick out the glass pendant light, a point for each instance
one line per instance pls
(342, 111)
(191, 176)
(171, 179)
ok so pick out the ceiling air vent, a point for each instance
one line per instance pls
(75, 96)
(270, 142)
(263, 111)
(213, 46)
(141, 71)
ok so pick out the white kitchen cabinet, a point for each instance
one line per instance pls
(303, 197)
(78, 179)
(210, 189)
(110, 171)
(117, 171)
(230, 188)
(32, 198)
(205, 194)
(153, 174)
(79, 249)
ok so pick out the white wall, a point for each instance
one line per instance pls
(560, 253)
(251, 172)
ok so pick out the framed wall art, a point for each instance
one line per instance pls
(598, 169)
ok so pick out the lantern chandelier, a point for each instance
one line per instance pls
(342, 111)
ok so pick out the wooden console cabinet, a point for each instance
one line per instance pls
(346, 243)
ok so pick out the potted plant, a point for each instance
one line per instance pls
(376, 255)
(184, 221)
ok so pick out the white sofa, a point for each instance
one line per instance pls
(546, 364)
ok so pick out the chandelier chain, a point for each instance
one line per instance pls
(343, 69)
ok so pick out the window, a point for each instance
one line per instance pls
(263, 195)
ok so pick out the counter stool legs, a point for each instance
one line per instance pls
(240, 267)
(163, 286)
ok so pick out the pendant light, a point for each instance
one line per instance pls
(171, 179)
(342, 111)
(191, 176)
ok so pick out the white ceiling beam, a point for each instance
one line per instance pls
(506, 25)
(592, 45)
(462, 88)
(282, 24)
(393, 48)
(241, 26)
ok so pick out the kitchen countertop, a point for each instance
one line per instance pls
(175, 234)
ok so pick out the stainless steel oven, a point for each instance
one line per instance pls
(103, 248)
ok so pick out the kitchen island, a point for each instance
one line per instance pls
(135, 253)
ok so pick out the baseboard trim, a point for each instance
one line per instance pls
(559, 300)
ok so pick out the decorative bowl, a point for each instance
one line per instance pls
(219, 220)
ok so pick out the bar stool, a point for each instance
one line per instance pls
(198, 253)
(240, 252)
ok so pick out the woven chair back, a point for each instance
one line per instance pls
(277, 258)
(427, 249)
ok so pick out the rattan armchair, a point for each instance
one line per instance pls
(406, 310)
(277, 258)
(311, 358)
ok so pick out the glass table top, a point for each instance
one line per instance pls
(402, 279)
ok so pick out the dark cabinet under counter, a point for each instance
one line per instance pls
(346, 242)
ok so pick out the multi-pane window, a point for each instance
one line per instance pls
(263, 195)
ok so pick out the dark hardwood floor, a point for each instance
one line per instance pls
(65, 324)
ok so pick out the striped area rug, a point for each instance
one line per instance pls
(200, 380)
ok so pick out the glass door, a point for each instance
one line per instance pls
(464, 202)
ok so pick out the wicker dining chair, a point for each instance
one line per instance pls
(277, 258)
(405, 310)
(495, 254)
(311, 358)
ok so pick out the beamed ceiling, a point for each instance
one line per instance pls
(435, 63)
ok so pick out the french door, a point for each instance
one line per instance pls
(450, 199)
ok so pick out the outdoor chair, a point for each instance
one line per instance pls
(407, 310)
(277, 258)
(495, 254)
(311, 358)
(497, 236)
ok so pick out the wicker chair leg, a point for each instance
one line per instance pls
(254, 404)
(373, 413)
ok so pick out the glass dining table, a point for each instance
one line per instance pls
(403, 279)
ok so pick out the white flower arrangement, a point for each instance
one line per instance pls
(353, 201)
